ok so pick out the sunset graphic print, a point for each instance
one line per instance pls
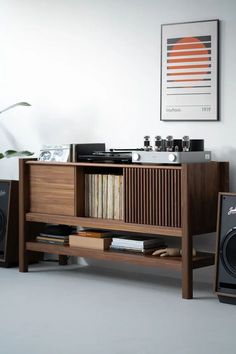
(189, 71)
(189, 61)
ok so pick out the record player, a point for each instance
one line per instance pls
(107, 157)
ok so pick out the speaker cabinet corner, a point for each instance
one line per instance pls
(9, 220)
(225, 273)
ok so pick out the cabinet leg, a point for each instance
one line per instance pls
(187, 285)
(187, 268)
(23, 263)
(63, 260)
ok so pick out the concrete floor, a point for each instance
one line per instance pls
(93, 310)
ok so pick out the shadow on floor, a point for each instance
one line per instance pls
(129, 275)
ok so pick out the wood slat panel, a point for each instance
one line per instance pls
(178, 197)
(165, 198)
(172, 196)
(152, 196)
(175, 199)
(162, 197)
(52, 189)
(159, 201)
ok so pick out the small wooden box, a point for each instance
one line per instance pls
(90, 242)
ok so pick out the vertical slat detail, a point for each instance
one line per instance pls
(130, 194)
(175, 198)
(160, 192)
(152, 196)
(138, 205)
(172, 196)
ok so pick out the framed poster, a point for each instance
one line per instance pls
(189, 71)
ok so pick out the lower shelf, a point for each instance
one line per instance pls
(201, 260)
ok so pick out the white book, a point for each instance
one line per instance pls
(136, 241)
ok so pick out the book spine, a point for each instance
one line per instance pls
(121, 248)
(100, 191)
(104, 196)
(90, 195)
(110, 196)
(136, 243)
(66, 238)
(129, 245)
(94, 234)
(116, 197)
(94, 196)
(132, 250)
(121, 200)
(86, 194)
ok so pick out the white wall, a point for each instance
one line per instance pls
(91, 70)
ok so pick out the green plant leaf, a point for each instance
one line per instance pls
(15, 105)
(14, 153)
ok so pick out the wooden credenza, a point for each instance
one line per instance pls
(164, 200)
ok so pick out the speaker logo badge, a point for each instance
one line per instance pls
(232, 210)
(2, 193)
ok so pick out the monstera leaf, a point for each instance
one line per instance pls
(14, 153)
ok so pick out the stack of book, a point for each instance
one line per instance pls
(54, 239)
(55, 234)
(104, 196)
(139, 244)
(98, 240)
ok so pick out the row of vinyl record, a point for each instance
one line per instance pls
(104, 196)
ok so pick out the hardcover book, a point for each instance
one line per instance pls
(94, 234)
(137, 242)
(53, 240)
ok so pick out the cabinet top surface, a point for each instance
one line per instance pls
(114, 165)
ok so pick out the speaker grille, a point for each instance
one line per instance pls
(228, 252)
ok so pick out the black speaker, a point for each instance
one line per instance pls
(9, 221)
(225, 274)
